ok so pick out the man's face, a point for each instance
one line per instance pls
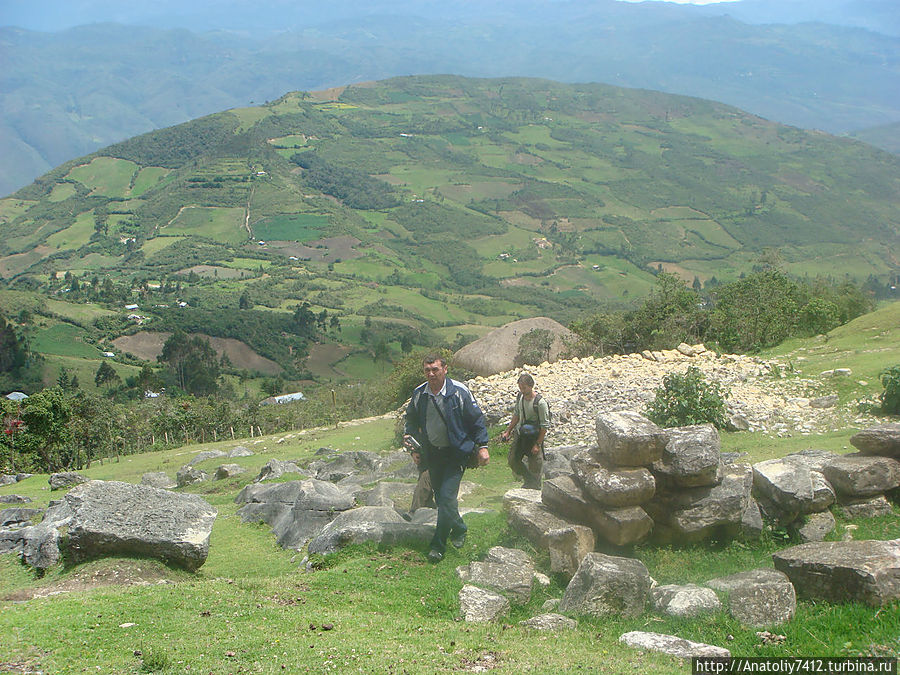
(435, 374)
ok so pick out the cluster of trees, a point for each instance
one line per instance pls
(356, 189)
(757, 311)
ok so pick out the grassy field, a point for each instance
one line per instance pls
(253, 608)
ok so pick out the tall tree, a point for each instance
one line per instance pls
(192, 362)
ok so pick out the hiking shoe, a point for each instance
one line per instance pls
(458, 540)
(435, 556)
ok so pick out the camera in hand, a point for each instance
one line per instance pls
(411, 444)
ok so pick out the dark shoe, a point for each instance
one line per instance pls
(435, 556)
(458, 540)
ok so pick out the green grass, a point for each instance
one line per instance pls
(300, 227)
(106, 176)
(224, 224)
(63, 339)
(147, 178)
(75, 236)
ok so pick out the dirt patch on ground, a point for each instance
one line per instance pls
(147, 345)
(214, 272)
(97, 574)
(330, 249)
(322, 358)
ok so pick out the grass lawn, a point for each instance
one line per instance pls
(106, 176)
(223, 224)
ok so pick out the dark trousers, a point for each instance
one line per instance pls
(446, 475)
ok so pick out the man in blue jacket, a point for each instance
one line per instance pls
(444, 418)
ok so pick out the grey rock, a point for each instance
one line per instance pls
(240, 451)
(190, 475)
(558, 460)
(613, 488)
(514, 557)
(14, 499)
(65, 479)
(758, 598)
(297, 510)
(785, 486)
(623, 527)
(692, 456)
(550, 605)
(737, 422)
(346, 464)
(694, 514)
(814, 526)
(158, 479)
(481, 605)
(628, 438)
(534, 522)
(549, 622)
(205, 455)
(513, 581)
(7, 479)
(380, 524)
(844, 571)
(17, 517)
(521, 496)
(229, 471)
(751, 522)
(861, 475)
(812, 459)
(568, 546)
(687, 600)
(865, 508)
(671, 645)
(823, 494)
(607, 585)
(824, 401)
(883, 440)
(388, 494)
(112, 518)
(276, 468)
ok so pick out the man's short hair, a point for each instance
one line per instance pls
(431, 358)
(526, 379)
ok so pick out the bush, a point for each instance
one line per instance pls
(890, 397)
(688, 399)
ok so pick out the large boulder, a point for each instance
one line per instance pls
(158, 479)
(758, 598)
(568, 546)
(691, 457)
(814, 526)
(38, 544)
(112, 518)
(275, 469)
(844, 571)
(190, 475)
(613, 488)
(496, 352)
(861, 475)
(504, 572)
(534, 521)
(627, 438)
(205, 455)
(18, 516)
(607, 585)
(880, 440)
(297, 510)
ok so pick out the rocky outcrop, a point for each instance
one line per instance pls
(158, 479)
(65, 479)
(379, 524)
(846, 571)
(481, 605)
(881, 440)
(859, 475)
(506, 571)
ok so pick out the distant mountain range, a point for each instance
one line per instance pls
(68, 93)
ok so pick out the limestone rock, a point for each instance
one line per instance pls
(66, 479)
(478, 604)
(861, 571)
(112, 518)
(205, 455)
(883, 440)
(549, 622)
(18, 517)
(496, 351)
(229, 471)
(671, 645)
(613, 488)
(14, 499)
(380, 524)
(691, 457)
(862, 476)
(568, 546)
(607, 585)
(784, 486)
(276, 468)
(688, 600)
(758, 598)
(814, 527)
(158, 479)
(240, 451)
(189, 475)
(865, 508)
(534, 522)
(513, 581)
(628, 438)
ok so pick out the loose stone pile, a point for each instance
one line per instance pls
(578, 389)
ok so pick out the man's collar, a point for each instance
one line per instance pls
(442, 392)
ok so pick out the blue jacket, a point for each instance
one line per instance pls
(466, 427)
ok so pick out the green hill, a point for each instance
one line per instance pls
(418, 207)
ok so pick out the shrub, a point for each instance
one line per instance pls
(890, 397)
(688, 399)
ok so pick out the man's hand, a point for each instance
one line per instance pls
(536, 450)
(483, 456)
(416, 458)
(504, 436)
